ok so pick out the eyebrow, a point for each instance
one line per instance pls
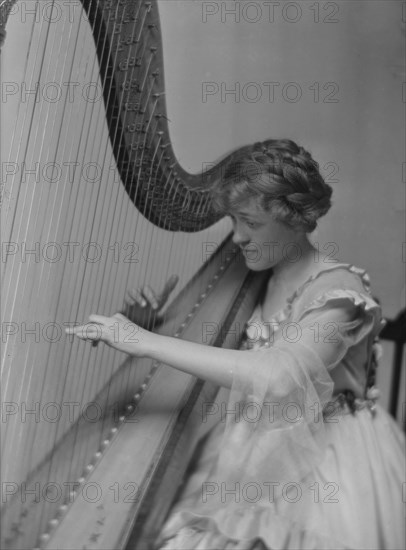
(246, 216)
(239, 213)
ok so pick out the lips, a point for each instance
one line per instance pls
(247, 253)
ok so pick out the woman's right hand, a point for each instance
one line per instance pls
(143, 305)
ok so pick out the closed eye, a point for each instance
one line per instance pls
(248, 223)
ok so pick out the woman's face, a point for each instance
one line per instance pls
(264, 242)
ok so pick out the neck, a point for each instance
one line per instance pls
(290, 270)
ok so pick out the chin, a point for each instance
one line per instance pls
(257, 266)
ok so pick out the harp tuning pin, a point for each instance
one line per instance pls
(62, 508)
(121, 418)
(130, 408)
(97, 454)
(152, 49)
(89, 467)
(155, 73)
(177, 334)
(143, 386)
(137, 396)
(44, 537)
(81, 480)
(113, 430)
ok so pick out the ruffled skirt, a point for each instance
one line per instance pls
(354, 499)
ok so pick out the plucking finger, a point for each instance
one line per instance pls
(150, 296)
(137, 297)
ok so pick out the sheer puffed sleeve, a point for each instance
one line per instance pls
(274, 424)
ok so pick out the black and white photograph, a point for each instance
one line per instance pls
(203, 251)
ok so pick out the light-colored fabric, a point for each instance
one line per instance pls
(273, 471)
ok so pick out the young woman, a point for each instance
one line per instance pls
(300, 456)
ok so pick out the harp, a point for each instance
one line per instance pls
(94, 446)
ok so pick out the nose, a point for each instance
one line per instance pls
(239, 237)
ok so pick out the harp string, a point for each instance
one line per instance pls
(46, 270)
(106, 230)
(118, 206)
(141, 145)
(10, 263)
(13, 305)
(84, 450)
(78, 391)
(120, 137)
(55, 158)
(81, 276)
(5, 215)
(22, 237)
(20, 141)
(127, 207)
(53, 465)
(28, 447)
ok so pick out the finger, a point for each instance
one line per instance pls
(137, 297)
(89, 331)
(150, 296)
(169, 286)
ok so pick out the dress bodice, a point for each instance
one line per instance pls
(338, 284)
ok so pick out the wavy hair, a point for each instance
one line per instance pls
(283, 177)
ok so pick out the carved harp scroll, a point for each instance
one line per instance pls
(104, 482)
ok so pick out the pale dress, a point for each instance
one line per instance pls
(285, 463)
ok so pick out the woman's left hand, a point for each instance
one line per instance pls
(116, 331)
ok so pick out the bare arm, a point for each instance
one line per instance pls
(214, 364)
(220, 365)
(209, 363)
